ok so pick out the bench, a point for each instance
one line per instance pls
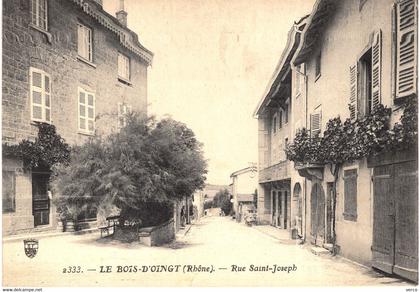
(112, 223)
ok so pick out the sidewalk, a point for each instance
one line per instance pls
(282, 235)
(45, 234)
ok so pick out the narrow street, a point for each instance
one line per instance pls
(216, 243)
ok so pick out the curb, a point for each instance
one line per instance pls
(46, 235)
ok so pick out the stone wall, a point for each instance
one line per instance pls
(158, 235)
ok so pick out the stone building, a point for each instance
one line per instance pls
(71, 64)
(352, 56)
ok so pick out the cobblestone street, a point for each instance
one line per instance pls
(216, 243)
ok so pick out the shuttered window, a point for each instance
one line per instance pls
(406, 48)
(123, 67)
(315, 120)
(376, 69)
(39, 13)
(123, 111)
(86, 111)
(9, 191)
(84, 42)
(40, 95)
(350, 195)
(353, 92)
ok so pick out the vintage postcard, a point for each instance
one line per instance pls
(209, 143)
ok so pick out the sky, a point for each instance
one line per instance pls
(212, 62)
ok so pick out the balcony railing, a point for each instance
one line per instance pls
(275, 172)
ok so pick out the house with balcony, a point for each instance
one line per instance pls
(280, 112)
(71, 64)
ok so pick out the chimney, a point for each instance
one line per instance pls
(122, 14)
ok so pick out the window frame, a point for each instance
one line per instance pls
(43, 93)
(37, 15)
(87, 106)
(127, 66)
(122, 116)
(89, 43)
(13, 208)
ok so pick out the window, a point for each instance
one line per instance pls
(40, 95)
(365, 80)
(286, 113)
(86, 111)
(350, 195)
(318, 66)
(365, 83)
(274, 124)
(123, 67)
(9, 191)
(280, 119)
(315, 120)
(405, 49)
(84, 42)
(123, 111)
(39, 13)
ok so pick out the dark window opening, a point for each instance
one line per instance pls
(365, 83)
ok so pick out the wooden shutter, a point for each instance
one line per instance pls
(353, 92)
(406, 29)
(376, 69)
(315, 124)
(350, 195)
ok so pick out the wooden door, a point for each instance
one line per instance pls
(395, 224)
(317, 214)
(383, 219)
(40, 199)
(406, 223)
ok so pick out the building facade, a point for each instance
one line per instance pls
(280, 112)
(71, 64)
(244, 185)
(354, 55)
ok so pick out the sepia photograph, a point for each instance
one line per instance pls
(209, 143)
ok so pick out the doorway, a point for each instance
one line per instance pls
(395, 223)
(40, 199)
(317, 215)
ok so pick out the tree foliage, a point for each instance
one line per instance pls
(140, 169)
(222, 200)
(48, 149)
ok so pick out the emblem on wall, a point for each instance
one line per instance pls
(31, 247)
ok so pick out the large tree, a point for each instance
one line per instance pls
(140, 170)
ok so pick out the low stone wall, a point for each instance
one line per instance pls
(157, 235)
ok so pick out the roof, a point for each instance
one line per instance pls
(283, 65)
(321, 13)
(127, 37)
(244, 170)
